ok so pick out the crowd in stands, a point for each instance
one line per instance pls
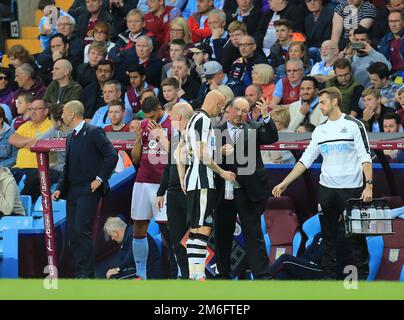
(112, 54)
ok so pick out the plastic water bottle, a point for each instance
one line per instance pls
(379, 220)
(387, 223)
(364, 223)
(228, 190)
(356, 223)
(371, 214)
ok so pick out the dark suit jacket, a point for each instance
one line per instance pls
(97, 157)
(255, 184)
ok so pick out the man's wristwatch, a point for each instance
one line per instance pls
(369, 181)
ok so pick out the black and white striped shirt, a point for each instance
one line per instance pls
(344, 146)
(199, 129)
(352, 15)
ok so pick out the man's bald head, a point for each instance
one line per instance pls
(62, 70)
(75, 107)
(180, 114)
(214, 103)
(182, 110)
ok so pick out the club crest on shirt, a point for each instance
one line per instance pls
(344, 130)
(152, 144)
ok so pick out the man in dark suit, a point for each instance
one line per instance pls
(90, 161)
(240, 143)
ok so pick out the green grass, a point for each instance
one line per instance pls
(191, 290)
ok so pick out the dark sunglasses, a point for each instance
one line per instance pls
(3, 78)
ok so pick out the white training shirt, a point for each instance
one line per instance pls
(344, 146)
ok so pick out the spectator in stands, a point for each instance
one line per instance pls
(63, 88)
(306, 110)
(240, 73)
(86, 72)
(23, 103)
(48, 23)
(215, 77)
(380, 79)
(350, 89)
(177, 51)
(26, 136)
(226, 91)
(305, 128)
(318, 25)
(287, 89)
(265, 34)
(279, 49)
(253, 93)
(400, 100)
(281, 117)
(126, 40)
(246, 12)
(122, 233)
(170, 88)
(201, 54)
(158, 19)
(56, 159)
(119, 9)
(362, 58)
(116, 112)
(10, 202)
(392, 124)
(198, 21)
(230, 50)
(181, 71)
(263, 75)
(65, 26)
(347, 16)
(25, 78)
(87, 20)
(101, 35)
(219, 36)
(392, 44)
(112, 91)
(79, 6)
(6, 92)
(179, 29)
(8, 153)
(297, 50)
(92, 95)
(137, 77)
(60, 48)
(324, 69)
(18, 55)
(374, 111)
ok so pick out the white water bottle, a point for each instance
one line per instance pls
(379, 220)
(228, 190)
(356, 223)
(387, 223)
(371, 214)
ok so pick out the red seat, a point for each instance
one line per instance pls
(282, 225)
(393, 253)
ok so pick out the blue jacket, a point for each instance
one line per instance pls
(8, 153)
(384, 46)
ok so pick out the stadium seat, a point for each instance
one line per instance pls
(16, 222)
(311, 227)
(26, 203)
(393, 253)
(154, 228)
(159, 243)
(375, 248)
(22, 183)
(282, 227)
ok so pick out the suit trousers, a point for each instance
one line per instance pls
(224, 226)
(177, 227)
(81, 211)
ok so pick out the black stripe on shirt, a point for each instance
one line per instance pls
(335, 140)
(362, 131)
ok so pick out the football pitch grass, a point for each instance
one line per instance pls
(193, 290)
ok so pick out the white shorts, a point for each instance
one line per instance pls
(144, 203)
